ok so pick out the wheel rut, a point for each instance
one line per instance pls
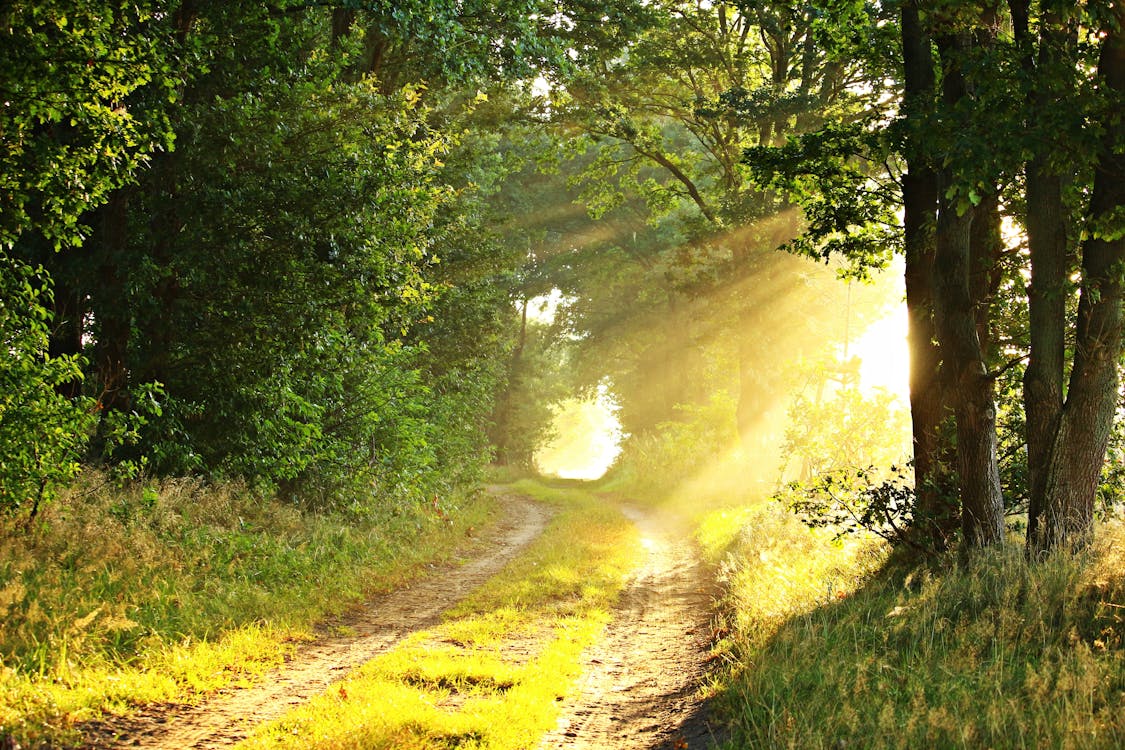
(228, 716)
(641, 686)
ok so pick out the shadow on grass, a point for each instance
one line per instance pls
(993, 653)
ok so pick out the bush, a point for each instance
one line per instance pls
(42, 432)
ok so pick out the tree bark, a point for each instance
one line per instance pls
(1047, 246)
(986, 248)
(935, 514)
(982, 512)
(111, 314)
(69, 309)
(1078, 450)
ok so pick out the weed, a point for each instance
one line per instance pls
(834, 648)
(159, 593)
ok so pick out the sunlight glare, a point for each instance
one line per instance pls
(542, 309)
(885, 356)
(588, 438)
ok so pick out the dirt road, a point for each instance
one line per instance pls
(640, 687)
(226, 718)
(641, 683)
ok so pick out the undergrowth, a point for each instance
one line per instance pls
(491, 675)
(836, 646)
(166, 592)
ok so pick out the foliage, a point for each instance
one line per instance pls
(846, 429)
(674, 298)
(855, 500)
(291, 368)
(848, 202)
(42, 433)
(495, 369)
(311, 291)
(845, 448)
(524, 417)
(69, 133)
(656, 463)
(959, 151)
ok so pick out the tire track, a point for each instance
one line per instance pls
(227, 717)
(641, 685)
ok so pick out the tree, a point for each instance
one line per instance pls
(669, 122)
(960, 301)
(70, 138)
(312, 276)
(1069, 461)
(959, 135)
(42, 432)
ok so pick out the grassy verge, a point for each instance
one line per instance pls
(490, 676)
(165, 593)
(832, 647)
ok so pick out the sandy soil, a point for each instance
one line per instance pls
(641, 683)
(226, 718)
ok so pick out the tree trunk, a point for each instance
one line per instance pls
(1043, 379)
(986, 248)
(341, 24)
(505, 451)
(1047, 245)
(982, 511)
(971, 387)
(1078, 451)
(935, 514)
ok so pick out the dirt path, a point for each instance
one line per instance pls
(226, 718)
(640, 687)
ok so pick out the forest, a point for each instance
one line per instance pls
(304, 300)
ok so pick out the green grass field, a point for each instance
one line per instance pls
(833, 646)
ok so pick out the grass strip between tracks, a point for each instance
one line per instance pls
(492, 674)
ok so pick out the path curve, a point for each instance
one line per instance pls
(228, 716)
(641, 683)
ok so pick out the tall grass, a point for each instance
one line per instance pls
(836, 647)
(164, 592)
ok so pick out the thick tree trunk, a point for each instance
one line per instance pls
(982, 511)
(1078, 451)
(935, 512)
(1043, 379)
(986, 248)
(1047, 245)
